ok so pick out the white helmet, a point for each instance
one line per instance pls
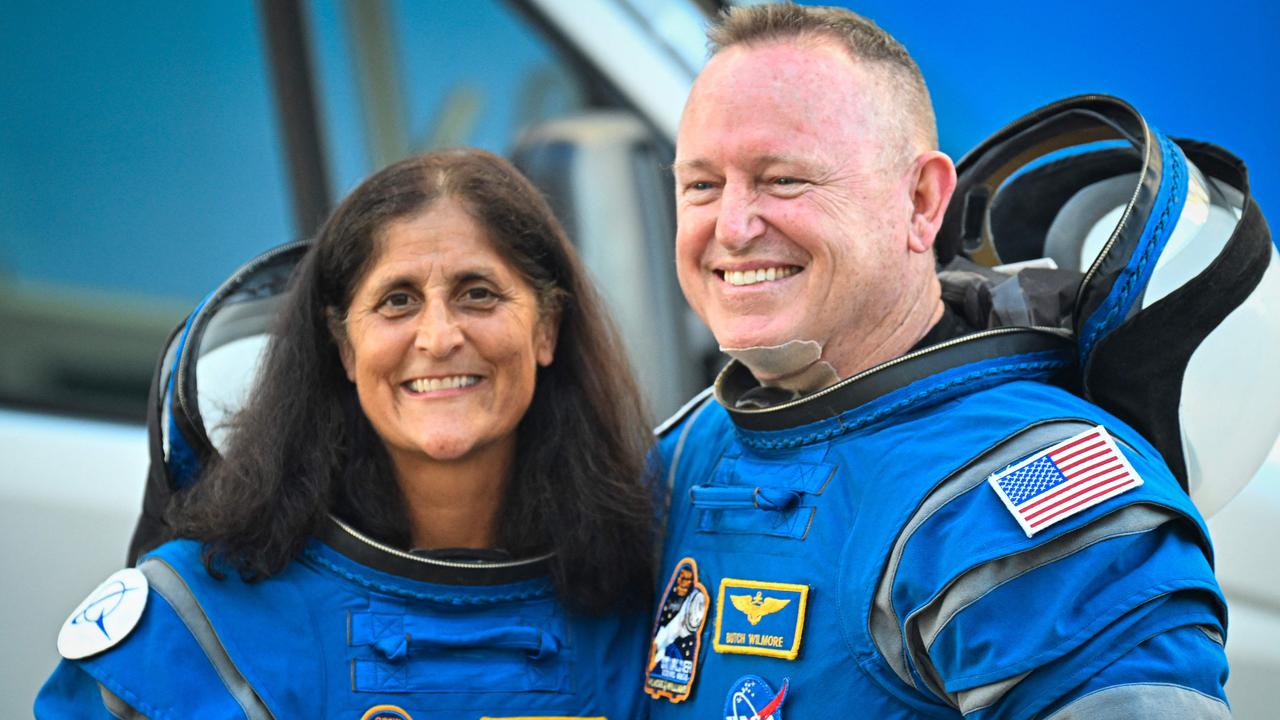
(1177, 312)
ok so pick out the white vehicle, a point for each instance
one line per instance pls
(159, 150)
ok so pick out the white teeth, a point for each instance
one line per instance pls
(751, 277)
(444, 383)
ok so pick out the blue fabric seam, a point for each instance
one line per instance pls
(845, 427)
(1018, 545)
(1117, 611)
(106, 678)
(1010, 579)
(902, 692)
(1148, 684)
(1184, 619)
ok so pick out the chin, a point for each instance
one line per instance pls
(747, 334)
(446, 449)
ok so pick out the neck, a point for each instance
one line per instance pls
(455, 504)
(892, 336)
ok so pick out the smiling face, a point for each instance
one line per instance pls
(443, 339)
(795, 201)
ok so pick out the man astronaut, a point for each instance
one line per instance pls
(869, 454)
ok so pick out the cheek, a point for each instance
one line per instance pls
(377, 351)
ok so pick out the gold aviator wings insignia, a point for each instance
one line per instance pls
(759, 606)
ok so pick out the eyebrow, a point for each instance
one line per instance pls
(458, 277)
(763, 160)
(697, 164)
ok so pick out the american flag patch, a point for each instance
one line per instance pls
(1069, 477)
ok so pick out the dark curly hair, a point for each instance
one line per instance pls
(302, 447)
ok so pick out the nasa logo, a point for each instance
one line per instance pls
(106, 617)
(677, 635)
(385, 712)
(751, 698)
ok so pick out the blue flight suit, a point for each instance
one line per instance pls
(355, 630)
(852, 546)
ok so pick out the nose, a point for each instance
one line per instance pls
(439, 333)
(738, 221)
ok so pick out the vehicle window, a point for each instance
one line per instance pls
(401, 77)
(139, 165)
(143, 158)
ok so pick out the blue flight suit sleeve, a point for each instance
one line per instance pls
(158, 671)
(1116, 607)
(71, 693)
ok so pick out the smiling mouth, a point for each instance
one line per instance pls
(452, 382)
(757, 276)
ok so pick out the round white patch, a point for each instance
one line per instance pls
(106, 617)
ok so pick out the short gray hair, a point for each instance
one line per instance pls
(861, 38)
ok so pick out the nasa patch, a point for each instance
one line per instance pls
(106, 617)
(760, 618)
(677, 634)
(751, 698)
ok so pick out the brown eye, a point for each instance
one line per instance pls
(397, 303)
(479, 296)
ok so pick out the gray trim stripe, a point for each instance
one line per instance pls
(985, 696)
(1145, 700)
(924, 625)
(684, 434)
(972, 585)
(118, 708)
(883, 623)
(166, 581)
(684, 410)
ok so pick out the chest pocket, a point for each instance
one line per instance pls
(398, 650)
(748, 495)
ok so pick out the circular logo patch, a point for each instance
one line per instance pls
(106, 617)
(385, 712)
(751, 698)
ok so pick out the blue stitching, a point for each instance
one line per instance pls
(827, 434)
(1122, 300)
(433, 597)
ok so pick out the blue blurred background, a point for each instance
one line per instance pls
(1200, 70)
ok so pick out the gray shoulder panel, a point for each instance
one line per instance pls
(924, 626)
(884, 622)
(166, 581)
(694, 402)
(1143, 701)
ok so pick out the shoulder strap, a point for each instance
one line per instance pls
(166, 581)
(683, 412)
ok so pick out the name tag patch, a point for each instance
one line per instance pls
(760, 618)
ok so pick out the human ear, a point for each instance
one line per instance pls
(545, 341)
(338, 331)
(935, 181)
